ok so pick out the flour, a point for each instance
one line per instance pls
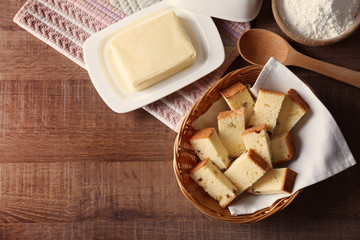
(319, 19)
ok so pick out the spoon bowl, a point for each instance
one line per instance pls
(256, 46)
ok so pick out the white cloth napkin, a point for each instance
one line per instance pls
(321, 150)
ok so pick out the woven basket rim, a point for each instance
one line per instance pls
(246, 218)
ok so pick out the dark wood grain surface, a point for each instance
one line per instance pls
(70, 168)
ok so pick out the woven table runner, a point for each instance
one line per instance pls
(66, 24)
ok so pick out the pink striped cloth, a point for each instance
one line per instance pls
(66, 24)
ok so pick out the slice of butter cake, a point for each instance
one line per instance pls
(292, 109)
(275, 181)
(267, 108)
(246, 170)
(207, 144)
(231, 124)
(237, 96)
(257, 138)
(214, 182)
(282, 148)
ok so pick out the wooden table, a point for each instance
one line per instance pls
(72, 168)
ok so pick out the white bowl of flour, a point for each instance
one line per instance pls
(317, 22)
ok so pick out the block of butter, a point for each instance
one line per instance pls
(151, 51)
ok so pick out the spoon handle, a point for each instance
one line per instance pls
(339, 73)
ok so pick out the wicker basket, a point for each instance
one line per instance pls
(185, 157)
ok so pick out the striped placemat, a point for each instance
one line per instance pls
(66, 24)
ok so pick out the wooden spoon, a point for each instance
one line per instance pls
(257, 45)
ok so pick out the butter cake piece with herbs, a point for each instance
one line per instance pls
(231, 124)
(214, 182)
(207, 144)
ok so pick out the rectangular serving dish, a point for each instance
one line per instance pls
(200, 29)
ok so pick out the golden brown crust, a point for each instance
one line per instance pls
(258, 160)
(231, 113)
(290, 145)
(256, 129)
(230, 200)
(289, 180)
(293, 95)
(227, 166)
(291, 148)
(233, 90)
(271, 92)
(199, 165)
(203, 133)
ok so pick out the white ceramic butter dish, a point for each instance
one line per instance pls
(232, 10)
(202, 33)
